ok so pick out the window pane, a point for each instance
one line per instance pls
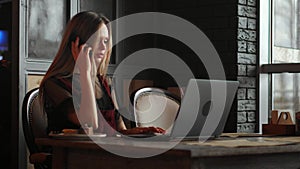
(286, 31)
(45, 25)
(105, 7)
(286, 88)
(285, 55)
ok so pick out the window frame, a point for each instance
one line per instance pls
(266, 67)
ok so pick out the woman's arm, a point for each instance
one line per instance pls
(121, 125)
(87, 113)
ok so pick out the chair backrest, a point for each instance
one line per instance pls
(155, 107)
(34, 120)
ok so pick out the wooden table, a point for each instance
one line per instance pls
(72, 154)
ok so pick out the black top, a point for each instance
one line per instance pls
(58, 100)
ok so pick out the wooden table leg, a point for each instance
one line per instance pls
(59, 158)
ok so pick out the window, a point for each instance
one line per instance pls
(42, 15)
(286, 24)
(279, 56)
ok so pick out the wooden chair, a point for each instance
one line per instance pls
(155, 107)
(35, 126)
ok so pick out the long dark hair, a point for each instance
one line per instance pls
(83, 25)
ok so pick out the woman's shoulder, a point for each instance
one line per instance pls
(55, 83)
(51, 82)
(56, 91)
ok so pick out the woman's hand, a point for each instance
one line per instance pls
(81, 56)
(143, 130)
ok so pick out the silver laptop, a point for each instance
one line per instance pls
(204, 110)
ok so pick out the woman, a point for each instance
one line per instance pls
(87, 44)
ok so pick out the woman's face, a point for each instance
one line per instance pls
(102, 44)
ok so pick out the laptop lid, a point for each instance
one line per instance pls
(205, 108)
